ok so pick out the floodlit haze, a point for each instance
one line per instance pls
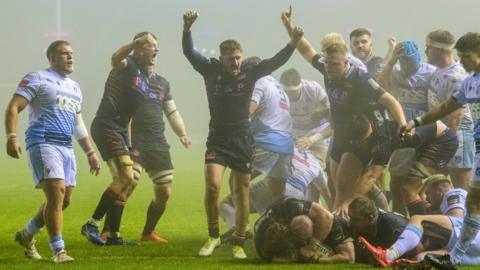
(97, 28)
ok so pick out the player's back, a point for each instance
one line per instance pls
(313, 98)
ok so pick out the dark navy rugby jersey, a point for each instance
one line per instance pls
(147, 122)
(375, 65)
(229, 97)
(125, 91)
(350, 95)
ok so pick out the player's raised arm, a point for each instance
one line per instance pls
(268, 66)
(303, 46)
(385, 77)
(119, 60)
(198, 61)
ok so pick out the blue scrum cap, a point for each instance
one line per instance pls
(410, 52)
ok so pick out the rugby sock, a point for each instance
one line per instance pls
(213, 229)
(238, 239)
(115, 212)
(227, 212)
(56, 243)
(103, 205)
(106, 224)
(470, 229)
(153, 215)
(408, 240)
(32, 227)
(418, 207)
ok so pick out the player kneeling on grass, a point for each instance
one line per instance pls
(297, 230)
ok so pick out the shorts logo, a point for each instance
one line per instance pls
(210, 155)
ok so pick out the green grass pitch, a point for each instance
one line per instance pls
(183, 223)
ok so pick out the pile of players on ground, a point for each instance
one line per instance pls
(323, 153)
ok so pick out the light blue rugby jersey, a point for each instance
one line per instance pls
(469, 92)
(54, 100)
(271, 123)
(412, 92)
(305, 168)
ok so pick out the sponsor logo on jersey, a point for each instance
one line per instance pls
(23, 83)
(69, 104)
(454, 199)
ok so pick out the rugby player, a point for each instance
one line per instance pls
(409, 83)
(374, 139)
(54, 102)
(423, 227)
(295, 230)
(468, 49)
(308, 103)
(378, 227)
(362, 47)
(350, 91)
(229, 85)
(126, 88)
(150, 150)
(448, 77)
(271, 127)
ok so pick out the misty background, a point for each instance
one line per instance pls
(97, 28)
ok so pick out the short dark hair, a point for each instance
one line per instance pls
(54, 46)
(336, 48)
(360, 32)
(359, 125)
(229, 45)
(141, 34)
(290, 77)
(469, 42)
(363, 206)
(441, 36)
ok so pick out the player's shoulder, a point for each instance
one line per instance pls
(455, 73)
(265, 82)
(161, 80)
(456, 192)
(426, 69)
(356, 62)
